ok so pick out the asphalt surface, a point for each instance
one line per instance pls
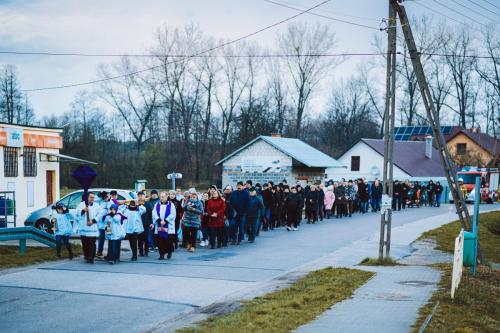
(72, 296)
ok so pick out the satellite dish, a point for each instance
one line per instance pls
(375, 171)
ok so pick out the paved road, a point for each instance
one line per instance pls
(137, 296)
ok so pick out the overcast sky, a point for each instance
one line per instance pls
(125, 26)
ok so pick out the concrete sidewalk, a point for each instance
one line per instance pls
(152, 295)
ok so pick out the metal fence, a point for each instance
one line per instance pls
(7, 209)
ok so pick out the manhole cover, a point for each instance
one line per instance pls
(213, 256)
(416, 283)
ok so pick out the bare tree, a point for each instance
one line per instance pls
(304, 42)
(135, 100)
(458, 46)
(14, 105)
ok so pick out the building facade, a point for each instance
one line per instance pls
(30, 167)
(472, 148)
(273, 158)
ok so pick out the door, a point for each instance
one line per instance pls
(50, 186)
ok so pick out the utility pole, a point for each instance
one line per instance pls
(433, 118)
(390, 111)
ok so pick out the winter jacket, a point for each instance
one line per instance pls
(292, 202)
(329, 199)
(438, 189)
(192, 211)
(312, 200)
(363, 192)
(218, 207)
(133, 223)
(240, 201)
(340, 192)
(229, 211)
(267, 197)
(350, 193)
(321, 197)
(376, 191)
(255, 208)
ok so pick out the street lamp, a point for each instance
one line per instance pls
(173, 176)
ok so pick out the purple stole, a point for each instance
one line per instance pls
(163, 231)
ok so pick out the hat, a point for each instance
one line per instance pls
(154, 192)
(192, 190)
(114, 206)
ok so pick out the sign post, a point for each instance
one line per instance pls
(458, 258)
(173, 176)
(475, 220)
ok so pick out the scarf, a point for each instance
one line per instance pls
(163, 231)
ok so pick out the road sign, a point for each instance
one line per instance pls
(386, 203)
(458, 258)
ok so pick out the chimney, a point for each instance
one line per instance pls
(275, 135)
(428, 147)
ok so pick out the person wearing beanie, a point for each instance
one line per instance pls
(164, 226)
(114, 233)
(133, 225)
(150, 204)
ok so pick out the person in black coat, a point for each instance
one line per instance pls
(172, 197)
(300, 192)
(397, 195)
(267, 197)
(340, 200)
(275, 208)
(312, 198)
(438, 190)
(292, 204)
(363, 195)
(321, 202)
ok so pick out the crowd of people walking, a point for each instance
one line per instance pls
(170, 220)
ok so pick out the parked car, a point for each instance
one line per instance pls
(40, 218)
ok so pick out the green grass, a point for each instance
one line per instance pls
(476, 307)
(289, 308)
(489, 236)
(376, 262)
(10, 257)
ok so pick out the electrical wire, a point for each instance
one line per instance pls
(323, 16)
(444, 15)
(474, 11)
(481, 6)
(180, 59)
(491, 4)
(457, 12)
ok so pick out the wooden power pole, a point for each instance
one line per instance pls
(390, 111)
(433, 117)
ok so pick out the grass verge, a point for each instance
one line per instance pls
(289, 308)
(376, 262)
(489, 235)
(476, 307)
(10, 257)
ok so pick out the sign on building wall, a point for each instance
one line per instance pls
(260, 165)
(15, 137)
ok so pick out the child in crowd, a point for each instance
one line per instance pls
(114, 233)
(62, 229)
(133, 225)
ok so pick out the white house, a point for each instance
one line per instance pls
(30, 159)
(274, 158)
(413, 160)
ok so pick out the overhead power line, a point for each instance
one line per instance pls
(491, 4)
(342, 54)
(180, 59)
(485, 8)
(457, 12)
(324, 16)
(475, 11)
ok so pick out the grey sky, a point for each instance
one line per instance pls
(118, 26)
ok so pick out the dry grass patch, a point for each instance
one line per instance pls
(489, 235)
(476, 307)
(10, 257)
(289, 308)
(376, 262)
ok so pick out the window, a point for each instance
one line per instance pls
(10, 161)
(461, 148)
(30, 191)
(29, 161)
(75, 200)
(354, 163)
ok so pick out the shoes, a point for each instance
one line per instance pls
(295, 229)
(169, 255)
(98, 254)
(161, 258)
(133, 258)
(111, 262)
(289, 229)
(191, 249)
(203, 243)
